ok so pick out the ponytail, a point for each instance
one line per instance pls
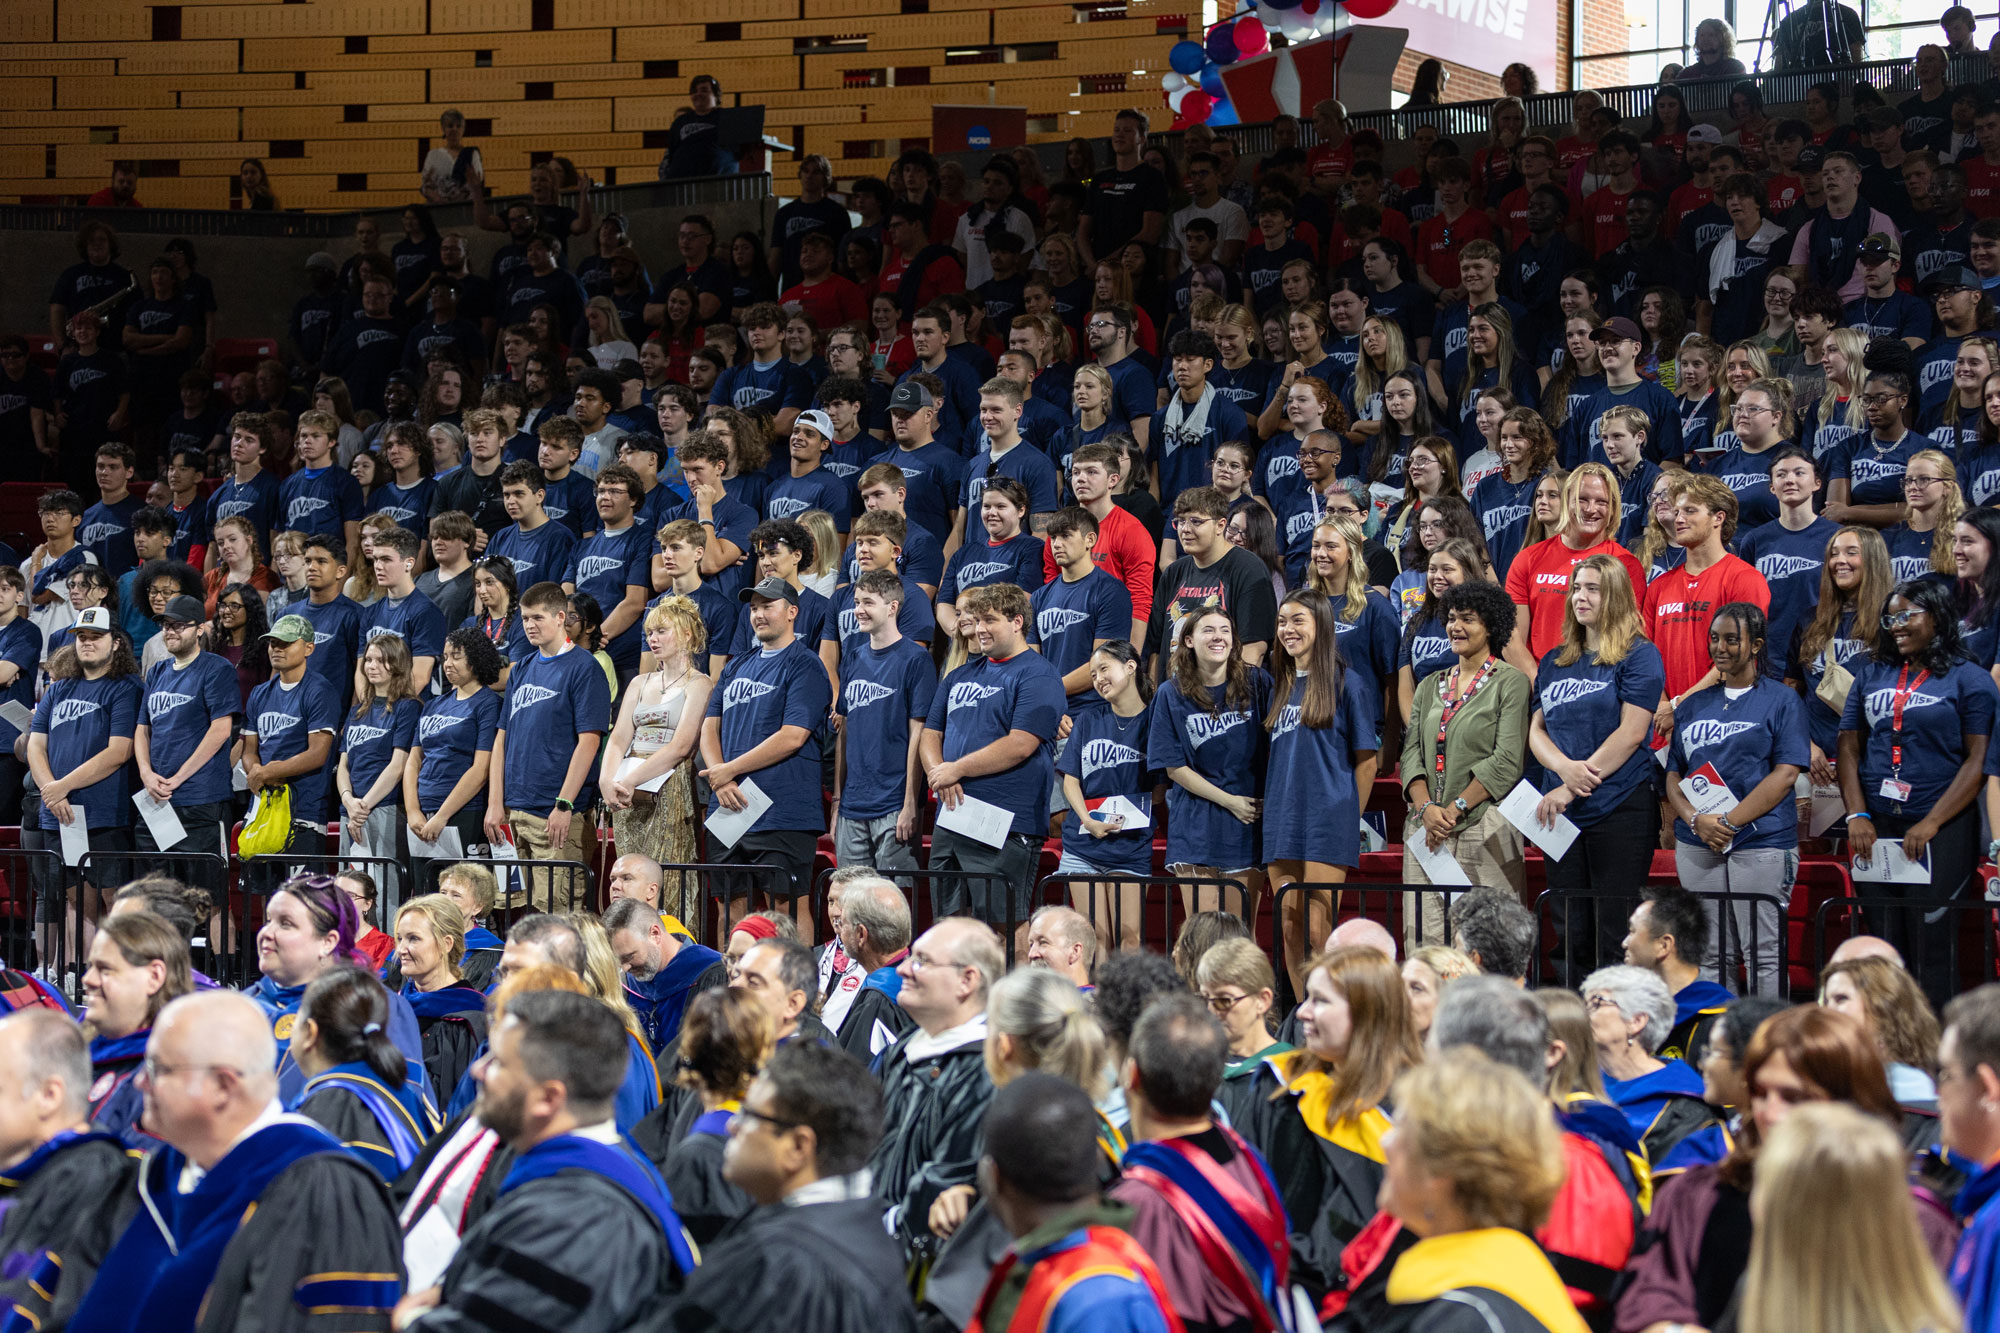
(350, 1009)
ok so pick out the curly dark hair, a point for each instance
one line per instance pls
(481, 657)
(1488, 601)
(1932, 596)
(1126, 983)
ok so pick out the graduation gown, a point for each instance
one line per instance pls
(582, 1239)
(1486, 1281)
(874, 1021)
(932, 1108)
(281, 1005)
(383, 1126)
(65, 1203)
(1327, 1174)
(707, 1203)
(1663, 1107)
(457, 1172)
(286, 1225)
(115, 1100)
(826, 1267)
(1697, 1006)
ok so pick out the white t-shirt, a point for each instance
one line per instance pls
(978, 268)
(1231, 224)
(438, 182)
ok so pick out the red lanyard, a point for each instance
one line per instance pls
(1905, 687)
(1445, 682)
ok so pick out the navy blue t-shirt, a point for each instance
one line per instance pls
(21, 644)
(1249, 386)
(1311, 809)
(958, 410)
(571, 500)
(1583, 703)
(982, 702)
(414, 619)
(1106, 754)
(1224, 745)
(773, 387)
(1424, 648)
(181, 704)
(1979, 473)
(1368, 646)
(1909, 551)
(319, 500)
(914, 619)
(1749, 475)
(538, 556)
(1939, 714)
(759, 693)
(978, 563)
(1874, 475)
(81, 718)
(933, 480)
(881, 694)
(1897, 315)
(1659, 405)
(733, 523)
(1071, 618)
(1026, 464)
(922, 558)
(410, 507)
(1745, 739)
(820, 488)
(256, 500)
(815, 613)
(551, 701)
(283, 721)
(1504, 508)
(1790, 563)
(607, 566)
(451, 733)
(336, 641)
(371, 740)
(107, 532)
(1183, 456)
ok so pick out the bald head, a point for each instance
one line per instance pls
(1062, 940)
(1361, 933)
(218, 1027)
(636, 876)
(1866, 946)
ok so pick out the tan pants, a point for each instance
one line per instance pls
(551, 890)
(1489, 849)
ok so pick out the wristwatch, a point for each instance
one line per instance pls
(567, 807)
(1460, 805)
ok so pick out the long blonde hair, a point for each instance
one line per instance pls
(600, 967)
(1877, 578)
(1835, 1246)
(1618, 623)
(1356, 589)
(614, 324)
(1569, 1023)
(1395, 357)
(1951, 508)
(1853, 345)
(1658, 537)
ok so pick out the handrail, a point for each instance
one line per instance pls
(694, 192)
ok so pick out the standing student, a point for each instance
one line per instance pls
(878, 538)
(766, 379)
(1623, 432)
(1619, 344)
(402, 612)
(1123, 549)
(884, 486)
(1207, 736)
(444, 779)
(1212, 573)
(558, 708)
(1300, 502)
(536, 545)
(1913, 746)
(288, 731)
(682, 542)
(1763, 421)
(1004, 452)
(1539, 579)
(887, 682)
(1921, 543)
(764, 720)
(1003, 553)
(1747, 727)
(1078, 611)
(249, 491)
(407, 494)
(375, 745)
(448, 582)
(1865, 476)
(1789, 552)
(1321, 767)
(989, 737)
(183, 739)
(809, 483)
(1678, 605)
(567, 495)
(334, 616)
(614, 565)
(1105, 758)
(1505, 500)
(1195, 420)
(1854, 582)
(704, 462)
(934, 473)
(1595, 692)
(320, 497)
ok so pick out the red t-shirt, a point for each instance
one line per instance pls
(902, 354)
(1539, 580)
(1782, 191)
(1331, 165)
(1125, 551)
(1514, 217)
(1604, 220)
(1678, 607)
(1439, 241)
(1685, 201)
(832, 301)
(1573, 150)
(1341, 247)
(105, 199)
(1982, 187)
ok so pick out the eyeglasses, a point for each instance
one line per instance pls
(1100, 324)
(1745, 410)
(1430, 525)
(1596, 1002)
(1319, 453)
(744, 1112)
(1921, 483)
(919, 963)
(1192, 520)
(1898, 619)
(1222, 1004)
(1879, 399)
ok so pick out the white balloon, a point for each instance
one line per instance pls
(1173, 83)
(1323, 22)
(1272, 19)
(1177, 96)
(1296, 25)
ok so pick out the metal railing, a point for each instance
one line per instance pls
(1571, 940)
(1949, 946)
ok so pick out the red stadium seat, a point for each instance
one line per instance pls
(236, 354)
(43, 350)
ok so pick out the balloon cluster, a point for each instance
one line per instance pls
(1194, 89)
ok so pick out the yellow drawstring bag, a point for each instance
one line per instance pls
(269, 827)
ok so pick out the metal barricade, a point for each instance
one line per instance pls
(525, 886)
(718, 888)
(27, 875)
(1106, 900)
(1749, 938)
(1948, 946)
(257, 878)
(933, 894)
(207, 871)
(1413, 914)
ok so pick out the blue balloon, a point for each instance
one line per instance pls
(1211, 81)
(1281, 4)
(1222, 113)
(1187, 58)
(1222, 45)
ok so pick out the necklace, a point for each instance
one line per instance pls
(1125, 724)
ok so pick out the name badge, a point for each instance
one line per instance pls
(1894, 790)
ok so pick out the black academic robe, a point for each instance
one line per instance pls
(932, 1110)
(826, 1267)
(706, 1202)
(872, 1024)
(479, 1201)
(667, 1124)
(572, 1252)
(65, 1205)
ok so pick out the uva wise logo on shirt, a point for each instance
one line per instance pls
(1051, 621)
(1712, 731)
(973, 574)
(1107, 753)
(160, 702)
(383, 632)
(1743, 481)
(1203, 727)
(527, 696)
(99, 533)
(1909, 566)
(1565, 692)
(304, 507)
(745, 691)
(1429, 645)
(1288, 721)
(787, 507)
(1879, 706)
(590, 566)
(969, 694)
(1500, 517)
(858, 694)
(232, 508)
(1775, 567)
(437, 724)
(73, 710)
(273, 724)
(359, 734)
(1861, 471)
(369, 337)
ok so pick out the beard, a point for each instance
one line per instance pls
(506, 1118)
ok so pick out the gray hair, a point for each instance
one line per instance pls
(1499, 1018)
(1052, 1026)
(1070, 926)
(555, 937)
(1638, 994)
(1494, 925)
(876, 905)
(54, 1048)
(981, 951)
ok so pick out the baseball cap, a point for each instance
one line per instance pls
(818, 420)
(290, 629)
(1881, 243)
(1619, 329)
(628, 369)
(1957, 275)
(321, 259)
(185, 609)
(1811, 158)
(92, 620)
(626, 253)
(1704, 134)
(909, 396)
(771, 590)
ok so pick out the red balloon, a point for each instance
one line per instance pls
(1194, 110)
(1252, 38)
(1369, 9)
(1309, 7)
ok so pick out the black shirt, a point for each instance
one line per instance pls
(180, 431)
(1238, 583)
(1118, 204)
(475, 297)
(82, 286)
(315, 318)
(1142, 506)
(89, 387)
(692, 146)
(17, 431)
(798, 218)
(1926, 124)
(363, 353)
(161, 317)
(1803, 41)
(1263, 268)
(474, 496)
(415, 261)
(461, 334)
